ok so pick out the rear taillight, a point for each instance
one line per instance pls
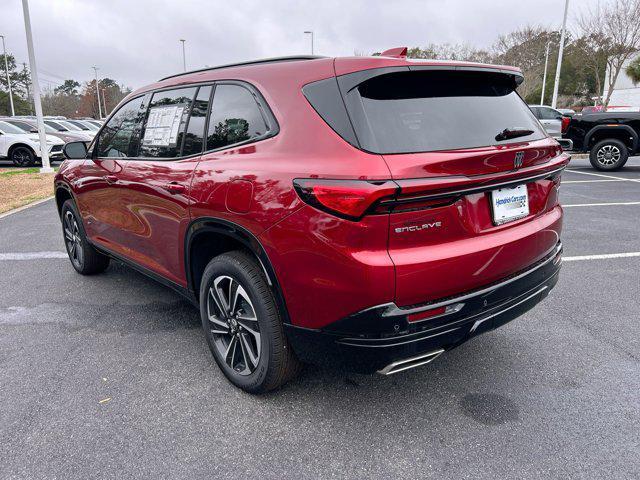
(350, 199)
(565, 124)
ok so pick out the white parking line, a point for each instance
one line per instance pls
(564, 182)
(600, 257)
(31, 255)
(604, 176)
(610, 204)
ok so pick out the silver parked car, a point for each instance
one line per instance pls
(550, 118)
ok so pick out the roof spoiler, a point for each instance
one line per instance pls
(398, 52)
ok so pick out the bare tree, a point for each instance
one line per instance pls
(616, 28)
(447, 51)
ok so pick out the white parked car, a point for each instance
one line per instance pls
(63, 126)
(23, 148)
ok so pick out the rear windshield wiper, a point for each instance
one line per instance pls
(516, 132)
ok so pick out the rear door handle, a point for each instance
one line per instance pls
(110, 179)
(175, 188)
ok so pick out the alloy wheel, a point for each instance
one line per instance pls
(72, 239)
(21, 156)
(234, 325)
(608, 155)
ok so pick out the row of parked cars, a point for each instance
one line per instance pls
(20, 143)
(609, 136)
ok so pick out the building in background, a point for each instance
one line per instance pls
(626, 95)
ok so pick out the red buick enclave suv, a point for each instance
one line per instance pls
(369, 213)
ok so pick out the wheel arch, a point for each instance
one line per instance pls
(624, 133)
(208, 237)
(63, 193)
(20, 144)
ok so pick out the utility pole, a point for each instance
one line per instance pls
(310, 32)
(44, 150)
(554, 101)
(544, 77)
(6, 69)
(184, 57)
(95, 69)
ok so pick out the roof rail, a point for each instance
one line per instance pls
(250, 62)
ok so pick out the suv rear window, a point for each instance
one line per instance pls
(430, 110)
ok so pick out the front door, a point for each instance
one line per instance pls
(98, 188)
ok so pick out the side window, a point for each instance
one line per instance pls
(194, 137)
(235, 117)
(536, 112)
(121, 136)
(550, 114)
(166, 122)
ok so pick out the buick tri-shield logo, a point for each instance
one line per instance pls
(518, 159)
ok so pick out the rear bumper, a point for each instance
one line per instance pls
(382, 339)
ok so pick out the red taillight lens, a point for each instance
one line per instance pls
(565, 123)
(349, 199)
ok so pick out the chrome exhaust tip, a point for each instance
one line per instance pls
(408, 363)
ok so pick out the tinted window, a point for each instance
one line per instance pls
(166, 122)
(121, 136)
(56, 126)
(69, 126)
(424, 111)
(78, 124)
(22, 126)
(235, 117)
(194, 137)
(8, 128)
(536, 111)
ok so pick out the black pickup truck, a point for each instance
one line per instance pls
(609, 137)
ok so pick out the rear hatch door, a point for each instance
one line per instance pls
(451, 138)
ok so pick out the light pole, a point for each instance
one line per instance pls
(310, 32)
(6, 68)
(554, 100)
(44, 153)
(544, 77)
(95, 69)
(184, 57)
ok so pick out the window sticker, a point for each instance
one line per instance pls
(163, 126)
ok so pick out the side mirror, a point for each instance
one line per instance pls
(33, 130)
(75, 150)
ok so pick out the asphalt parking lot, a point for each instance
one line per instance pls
(109, 376)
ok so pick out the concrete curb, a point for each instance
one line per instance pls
(24, 207)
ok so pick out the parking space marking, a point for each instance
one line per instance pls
(592, 181)
(31, 255)
(604, 176)
(600, 257)
(610, 204)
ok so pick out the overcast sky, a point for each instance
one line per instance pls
(137, 41)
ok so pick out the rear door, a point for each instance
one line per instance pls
(457, 143)
(155, 186)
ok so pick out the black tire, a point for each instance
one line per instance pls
(84, 258)
(608, 155)
(265, 360)
(22, 156)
